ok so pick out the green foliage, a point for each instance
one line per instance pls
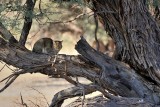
(12, 14)
(154, 3)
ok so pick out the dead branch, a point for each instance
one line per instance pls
(13, 78)
(22, 101)
(71, 20)
(2, 67)
(70, 93)
(41, 94)
(114, 72)
(100, 101)
(103, 71)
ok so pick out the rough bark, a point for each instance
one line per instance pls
(100, 101)
(27, 21)
(6, 34)
(136, 35)
(135, 32)
(105, 72)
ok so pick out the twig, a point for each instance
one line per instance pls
(83, 99)
(69, 79)
(2, 67)
(83, 91)
(41, 94)
(34, 103)
(95, 33)
(11, 78)
(35, 34)
(10, 68)
(40, 7)
(22, 102)
(54, 61)
(9, 83)
(68, 21)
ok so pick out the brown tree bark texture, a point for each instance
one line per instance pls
(135, 32)
(136, 35)
(102, 70)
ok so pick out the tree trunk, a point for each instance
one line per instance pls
(137, 40)
(135, 32)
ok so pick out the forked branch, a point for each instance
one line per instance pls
(103, 71)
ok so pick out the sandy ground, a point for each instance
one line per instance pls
(28, 85)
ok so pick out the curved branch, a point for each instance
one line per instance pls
(114, 72)
(79, 90)
(13, 78)
(100, 101)
(114, 76)
(65, 94)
